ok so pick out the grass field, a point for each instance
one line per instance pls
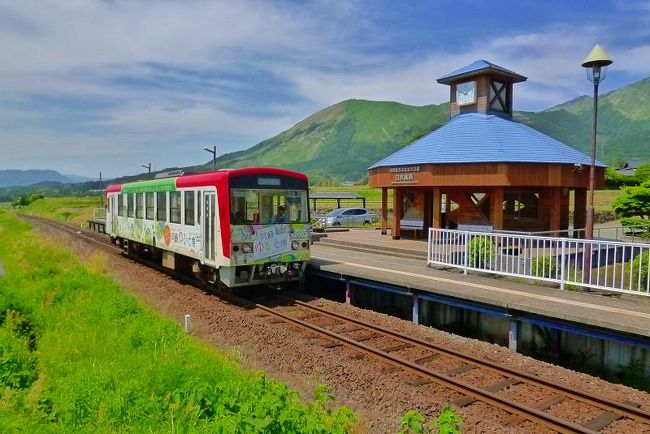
(72, 209)
(77, 354)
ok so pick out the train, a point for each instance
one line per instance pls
(232, 227)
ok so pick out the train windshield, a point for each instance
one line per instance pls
(268, 206)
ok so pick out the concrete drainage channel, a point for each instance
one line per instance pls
(610, 355)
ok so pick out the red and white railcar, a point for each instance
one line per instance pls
(238, 227)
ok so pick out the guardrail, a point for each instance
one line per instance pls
(598, 264)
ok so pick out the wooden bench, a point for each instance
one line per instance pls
(411, 225)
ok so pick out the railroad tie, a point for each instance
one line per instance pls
(467, 400)
(396, 347)
(420, 381)
(542, 405)
(423, 360)
(459, 370)
(607, 417)
(368, 337)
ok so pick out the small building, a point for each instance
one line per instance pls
(629, 167)
(482, 168)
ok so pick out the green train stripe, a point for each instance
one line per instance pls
(165, 184)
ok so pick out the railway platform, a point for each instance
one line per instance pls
(392, 276)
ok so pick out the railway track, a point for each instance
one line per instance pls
(307, 316)
(361, 336)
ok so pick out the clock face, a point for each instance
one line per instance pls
(466, 93)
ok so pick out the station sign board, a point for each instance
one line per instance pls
(404, 174)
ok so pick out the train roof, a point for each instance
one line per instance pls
(218, 177)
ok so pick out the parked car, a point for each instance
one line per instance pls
(348, 217)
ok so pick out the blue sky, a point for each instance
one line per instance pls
(90, 86)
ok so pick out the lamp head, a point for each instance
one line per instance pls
(597, 57)
(596, 63)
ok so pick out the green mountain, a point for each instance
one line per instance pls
(341, 141)
(623, 123)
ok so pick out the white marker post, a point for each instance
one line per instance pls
(188, 323)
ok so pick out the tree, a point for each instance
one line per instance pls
(634, 202)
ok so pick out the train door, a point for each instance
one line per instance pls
(209, 226)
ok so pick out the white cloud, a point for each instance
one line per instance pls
(154, 73)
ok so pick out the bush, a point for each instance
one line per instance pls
(640, 270)
(480, 250)
(605, 216)
(636, 223)
(544, 266)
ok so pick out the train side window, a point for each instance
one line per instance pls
(129, 205)
(120, 205)
(139, 205)
(149, 206)
(189, 208)
(175, 207)
(161, 206)
(198, 208)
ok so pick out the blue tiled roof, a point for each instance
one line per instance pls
(479, 66)
(483, 138)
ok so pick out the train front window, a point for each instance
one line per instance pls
(267, 206)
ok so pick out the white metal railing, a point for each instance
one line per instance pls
(600, 264)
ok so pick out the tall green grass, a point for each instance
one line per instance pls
(79, 355)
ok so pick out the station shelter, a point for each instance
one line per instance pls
(482, 169)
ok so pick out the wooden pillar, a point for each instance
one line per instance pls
(398, 204)
(555, 216)
(384, 210)
(496, 208)
(564, 213)
(579, 211)
(436, 219)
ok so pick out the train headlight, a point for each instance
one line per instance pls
(247, 247)
(295, 245)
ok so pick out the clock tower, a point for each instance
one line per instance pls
(481, 87)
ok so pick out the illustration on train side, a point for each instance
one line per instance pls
(234, 227)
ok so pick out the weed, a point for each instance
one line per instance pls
(448, 422)
(634, 375)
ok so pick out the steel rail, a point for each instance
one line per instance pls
(576, 394)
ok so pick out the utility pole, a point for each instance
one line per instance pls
(148, 167)
(213, 151)
(101, 188)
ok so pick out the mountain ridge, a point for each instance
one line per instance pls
(24, 178)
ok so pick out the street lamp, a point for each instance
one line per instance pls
(596, 64)
(148, 167)
(213, 151)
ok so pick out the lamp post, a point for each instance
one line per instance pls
(213, 151)
(148, 167)
(596, 65)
